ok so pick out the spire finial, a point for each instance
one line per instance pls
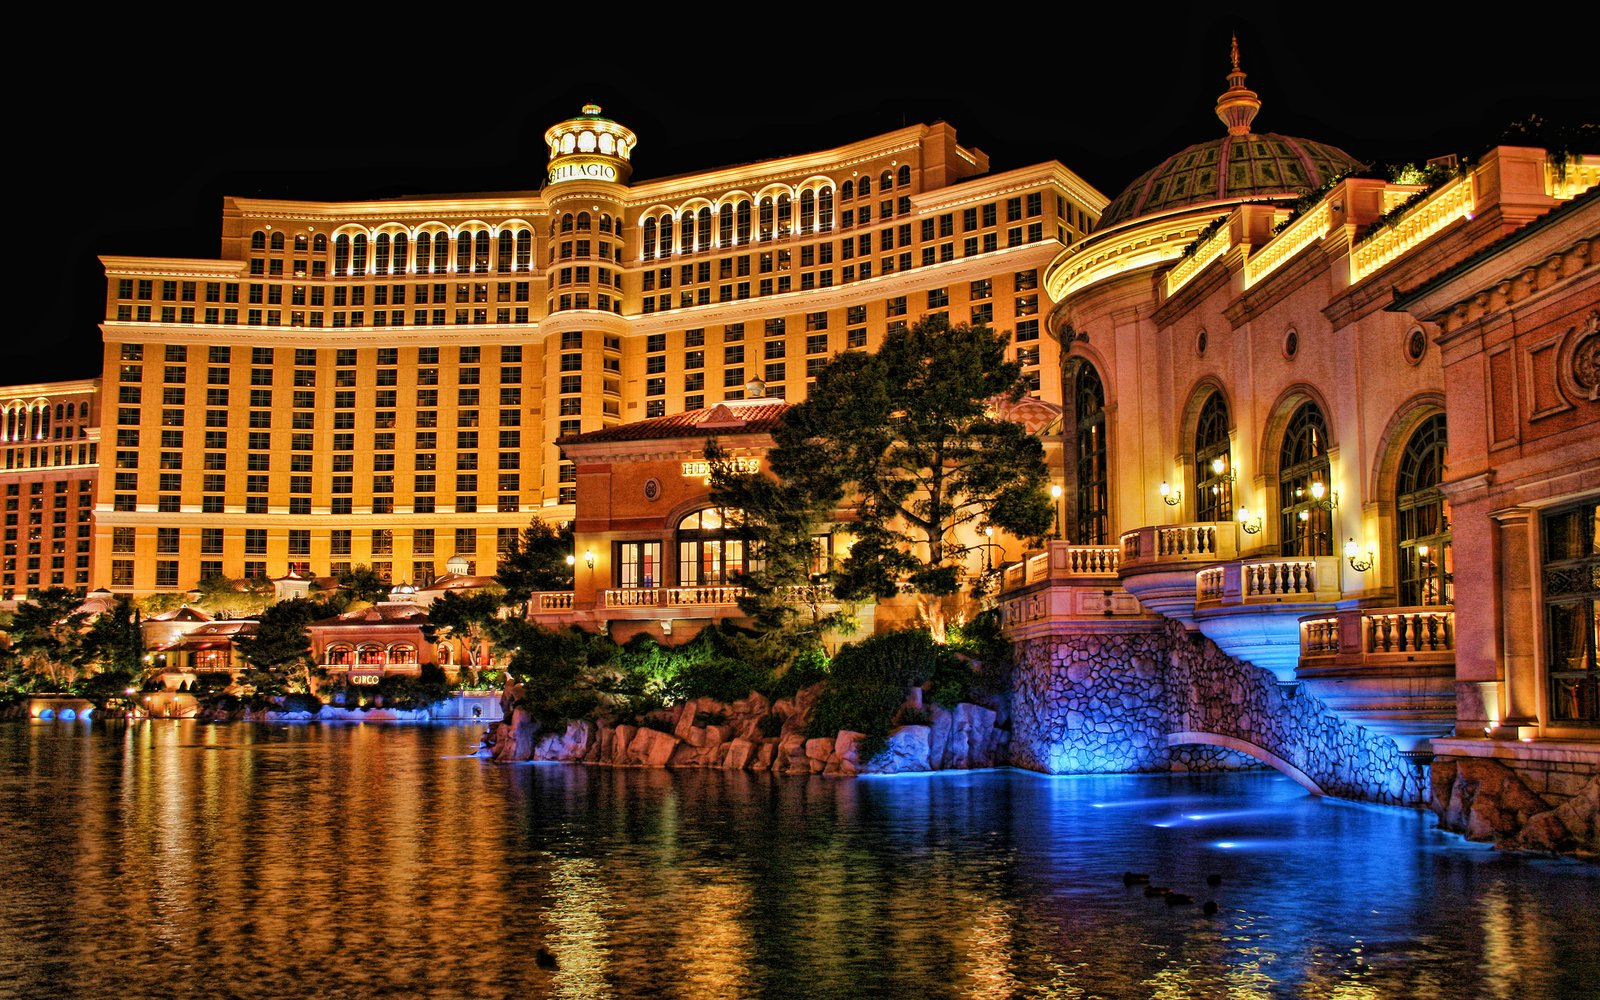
(1238, 104)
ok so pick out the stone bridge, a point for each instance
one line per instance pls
(1118, 695)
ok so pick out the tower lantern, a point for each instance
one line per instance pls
(590, 147)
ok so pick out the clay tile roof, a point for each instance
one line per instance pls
(378, 614)
(735, 416)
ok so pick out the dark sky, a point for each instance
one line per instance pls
(127, 141)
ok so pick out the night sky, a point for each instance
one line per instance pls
(135, 136)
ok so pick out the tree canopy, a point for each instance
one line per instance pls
(909, 440)
(536, 560)
(278, 655)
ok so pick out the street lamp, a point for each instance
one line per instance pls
(1055, 504)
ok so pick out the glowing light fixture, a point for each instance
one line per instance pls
(1249, 525)
(1171, 496)
(1352, 552)
(588, 559)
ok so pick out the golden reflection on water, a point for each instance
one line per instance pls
(363, 860)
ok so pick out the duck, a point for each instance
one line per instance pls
(1153, 891)
(1178, 899)
(1210, 908)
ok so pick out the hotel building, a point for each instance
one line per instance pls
(50, 439)
(383, 382)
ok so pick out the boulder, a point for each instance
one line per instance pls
(619, 745)
(651, 748)
(738, 754)
(846, 757)
(819, 748)
(1488, 801)
(907, 751)
(766, 753)
(939, 738)
(1571, 828)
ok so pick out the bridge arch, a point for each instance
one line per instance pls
(1262, 754)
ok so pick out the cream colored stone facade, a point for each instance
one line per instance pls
(382, 382)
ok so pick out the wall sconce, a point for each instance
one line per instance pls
(588, 559)
(1250, 525)
(1055, 503)
(1220, 471)
(1322, 497)
(1352, 552)
(1171, 496)
(572, 560)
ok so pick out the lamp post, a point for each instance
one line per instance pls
(1055, 505)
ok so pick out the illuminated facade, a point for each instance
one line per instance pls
(50, 439)
(1310, 431)
(382, 383)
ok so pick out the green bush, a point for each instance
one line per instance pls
(770, 726)
(806, 669)
(300, 702)
(869, 681)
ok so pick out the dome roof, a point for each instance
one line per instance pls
(1240, 166)
(1232, 168)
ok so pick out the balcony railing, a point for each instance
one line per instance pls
(552, 600)
(1202, 541)
(1376, 635)
(673, 597)
(1268, 581)
(1062, 561)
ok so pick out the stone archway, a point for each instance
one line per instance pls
(1244, 746)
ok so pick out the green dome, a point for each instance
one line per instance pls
(1240, 166)
(1232, 168)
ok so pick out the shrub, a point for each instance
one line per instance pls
(869, 681)
(300, 702)
(806, 669)
(770, 725)
(910, 715)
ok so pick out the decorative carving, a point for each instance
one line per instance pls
(1585, 359)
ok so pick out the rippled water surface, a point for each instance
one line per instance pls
(172, 859)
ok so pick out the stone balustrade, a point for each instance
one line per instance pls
(1201, 541)
(633, 597)
(552, 600)
(1367, 636)
(1268, 581)
(1062, 561)
(697, 596)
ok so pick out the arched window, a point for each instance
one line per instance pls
(584, 222)
(502, 260)
(885, 181)
(358, 254)
(1423, 518)
(903, 175)
(341, 254)
(847, 190)
(380, 253)
(463, 252)
(319, 243)
(686, 231)
(785, 214)
(524, 250)
(445, 654)
(825, 210)
(666, 235)
(369, 655)
(865, 187)
(742, 222)
(299, 242)
(481, 264)
(1213, 466)
(767, 217)
(725, 226)
(566, 223)
(1304, 504)
(1090, 490)
(703, 223)
(649, 248)
(808, 211)
(402, 254)
(258, 240)
(605, 222)
(402, 654)
(338, 656)
(713, 548)
(61, 410)
(277, 241)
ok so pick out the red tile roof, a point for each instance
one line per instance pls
(735, 416)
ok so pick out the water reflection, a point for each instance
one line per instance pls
(167, 858)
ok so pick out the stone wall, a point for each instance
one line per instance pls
(1125, 701)
(704, 733)
(1543, 799)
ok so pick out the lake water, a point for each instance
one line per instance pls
(173, 859)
